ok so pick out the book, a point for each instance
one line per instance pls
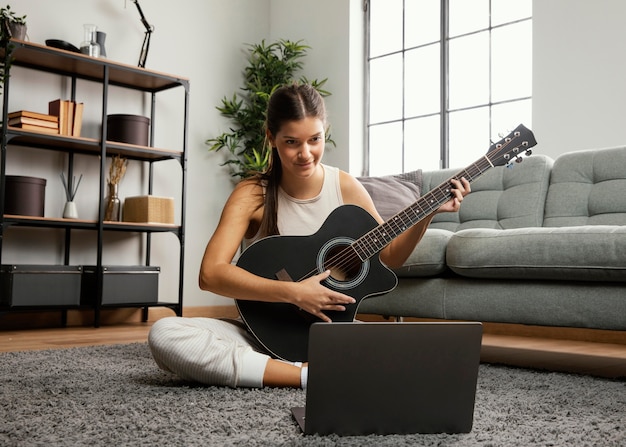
(59, 108)
(70, 118)
(33, 128)
(78, 119)
(33, 115)
(34, 121)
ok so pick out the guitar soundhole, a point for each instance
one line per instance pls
(346, 268)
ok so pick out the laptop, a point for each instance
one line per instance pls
(391, 378)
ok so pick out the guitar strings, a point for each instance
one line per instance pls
(346, 259)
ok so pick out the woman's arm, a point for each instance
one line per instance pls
(394, 254)
(219, 275)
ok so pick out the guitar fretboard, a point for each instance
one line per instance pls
(379, 237)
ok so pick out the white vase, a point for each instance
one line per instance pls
(69, 212)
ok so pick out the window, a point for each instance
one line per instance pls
(445, 78)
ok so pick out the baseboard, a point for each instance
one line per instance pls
(85, 318)
(79, 318)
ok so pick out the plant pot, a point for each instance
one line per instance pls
(17, 30)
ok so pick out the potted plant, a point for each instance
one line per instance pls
(11, 26)
(269, 66)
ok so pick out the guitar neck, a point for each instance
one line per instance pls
(501, 153)
(378, 238)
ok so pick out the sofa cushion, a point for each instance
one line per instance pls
(429, 257)
(501, 198)
(587, 188)
(584, 253)
(393, 193)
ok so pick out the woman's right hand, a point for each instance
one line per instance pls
(315, 298)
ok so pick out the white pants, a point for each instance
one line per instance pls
(208, 350)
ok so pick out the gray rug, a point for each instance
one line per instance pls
(115, 395)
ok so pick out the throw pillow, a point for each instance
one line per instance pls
(393, 193)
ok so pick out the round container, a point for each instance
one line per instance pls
(131, 129)
(24, 196)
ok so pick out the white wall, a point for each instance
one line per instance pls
(201, 40)
(579, 74)
(579, 94)
(334, 31)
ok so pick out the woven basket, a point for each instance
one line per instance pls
(149, 209)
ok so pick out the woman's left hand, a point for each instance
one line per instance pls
(460, 189)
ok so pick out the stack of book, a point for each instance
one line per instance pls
(33, 121)
(70, 115)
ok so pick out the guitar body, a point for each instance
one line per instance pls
(348, 244)
(283, 329)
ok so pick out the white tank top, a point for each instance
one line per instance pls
(298, 217)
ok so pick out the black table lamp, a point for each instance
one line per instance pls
(146, 40)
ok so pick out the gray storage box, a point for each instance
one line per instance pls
(40, 285)
(121, 284)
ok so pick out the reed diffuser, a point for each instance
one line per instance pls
(71, 188)
(116, 173)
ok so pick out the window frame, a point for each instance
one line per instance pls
(445, 111)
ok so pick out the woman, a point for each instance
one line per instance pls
(293, 197)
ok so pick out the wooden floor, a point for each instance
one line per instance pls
(606, 358)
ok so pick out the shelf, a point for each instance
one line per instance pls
(107, 73)
(51, 222)
(90, 146)
(68, 63)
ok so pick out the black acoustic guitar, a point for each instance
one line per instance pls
(347, 244)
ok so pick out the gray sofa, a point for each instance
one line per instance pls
(542, 243)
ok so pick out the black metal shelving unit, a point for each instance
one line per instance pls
(107, 73)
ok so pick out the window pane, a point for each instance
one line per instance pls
(386, 88)
(385, 26)
(422, 81)
(468, 16)
(506, 117)
(469, 71)
(489, 80)
(504, 11)
(386, 149)
(421, 22)
(469, 136)
(511, 70)
(422, 144)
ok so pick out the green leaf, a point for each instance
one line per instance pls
(270, 65)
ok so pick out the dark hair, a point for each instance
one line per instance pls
(291, 102)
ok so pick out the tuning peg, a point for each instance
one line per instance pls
(529, 152)
(518, 159)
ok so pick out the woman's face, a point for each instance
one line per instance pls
(300, 146)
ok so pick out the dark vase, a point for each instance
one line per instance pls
(112, 211)
(100, 38)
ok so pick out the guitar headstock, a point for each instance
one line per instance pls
(512, 147)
